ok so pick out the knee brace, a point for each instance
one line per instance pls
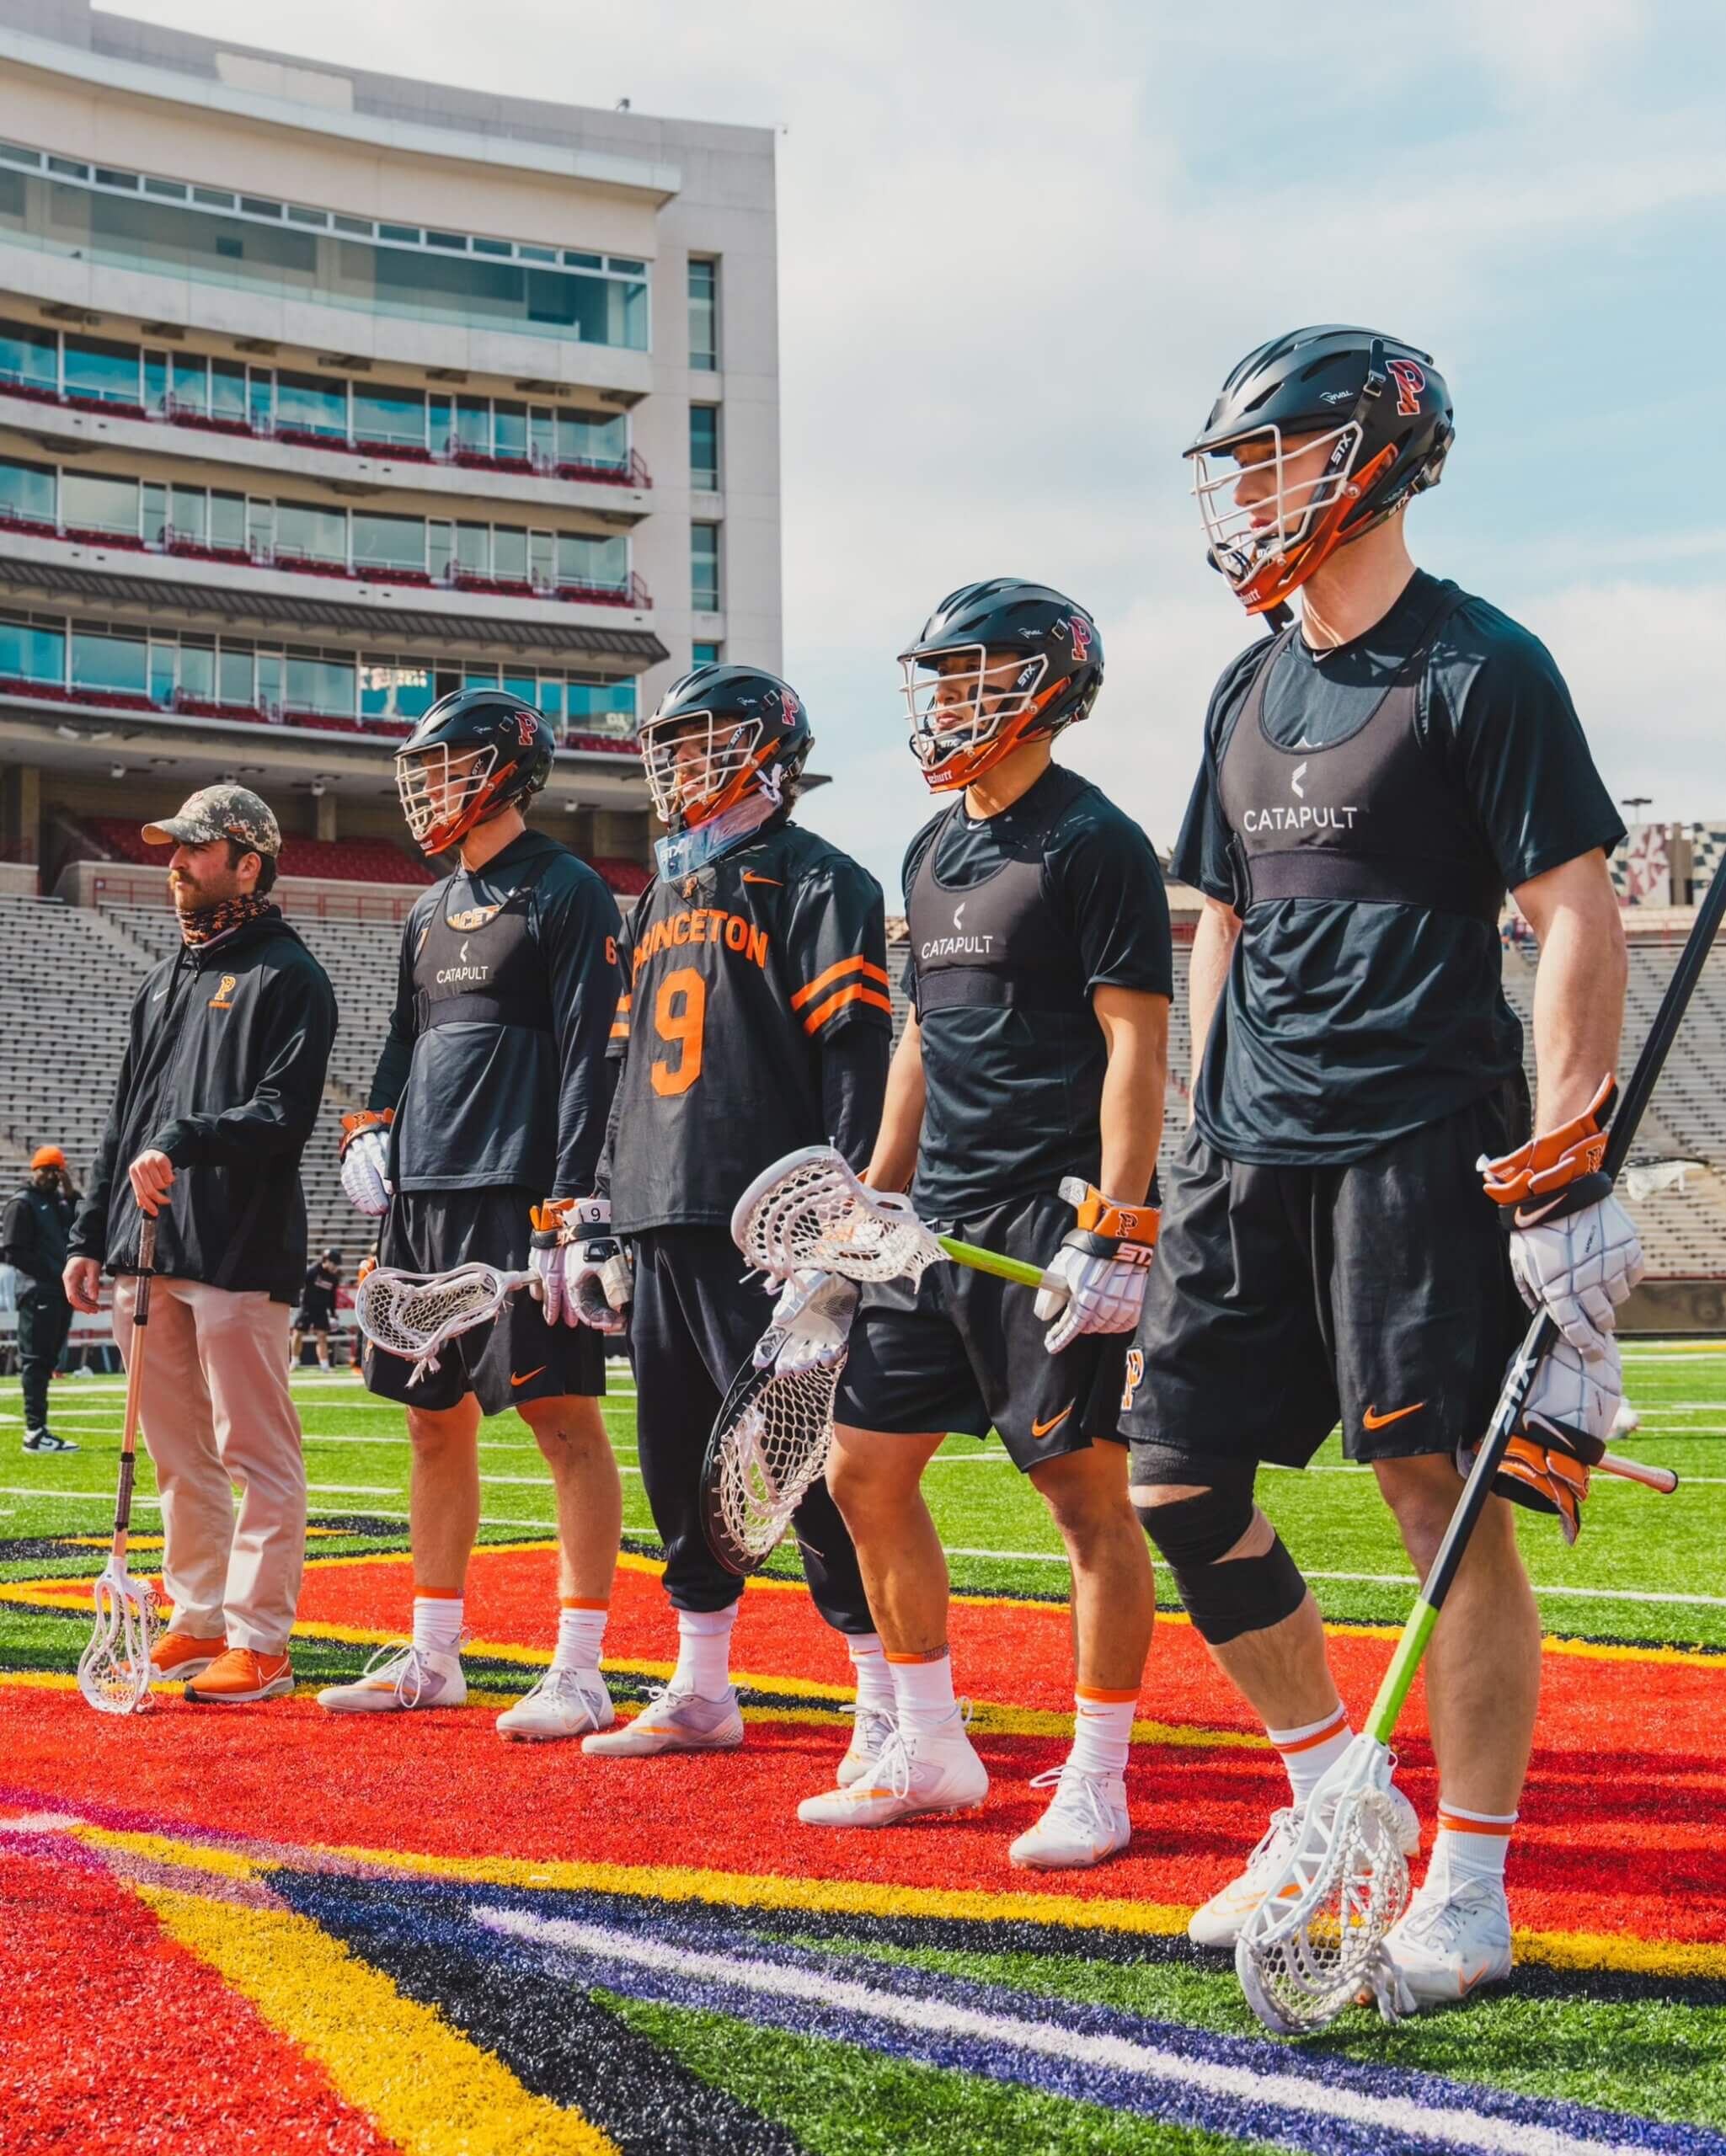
(1193, 1536)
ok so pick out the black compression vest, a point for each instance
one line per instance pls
(1373, 816)
(995, 942)
(479, 967)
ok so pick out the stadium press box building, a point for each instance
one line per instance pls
(323, 392)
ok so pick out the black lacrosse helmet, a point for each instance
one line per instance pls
(966, 717)
(1386, 411)
(510, 746)
(721, 733)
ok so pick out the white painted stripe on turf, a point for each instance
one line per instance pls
(1387, 1579)
(1453, 2124)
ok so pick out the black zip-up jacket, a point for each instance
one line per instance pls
(224, 1073)
(35, 1236)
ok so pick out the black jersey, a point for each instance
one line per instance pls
(1364, 807)
(495, 1061)
(736, 977)
(1016, 920)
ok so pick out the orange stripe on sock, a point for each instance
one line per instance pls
(1339, 1721)
(437, 1594)
(939, 1655)
(1089, 1693)
(1452, 1825)
(575, 1602)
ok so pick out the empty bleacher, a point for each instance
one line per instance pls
(68, 974)
(347, 861)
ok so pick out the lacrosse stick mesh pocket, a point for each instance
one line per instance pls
(769, 1443)
(409, 1315)
(1314, 1947)
(819, 1217)
(113, 1670)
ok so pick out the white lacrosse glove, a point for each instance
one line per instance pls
(1566, 1422)
(582, 1272)
(1574, 1248)
(364, 1159)
(1105, 1261)
(811, 1325)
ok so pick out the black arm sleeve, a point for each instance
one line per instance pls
(389, 1081)
(296, 1032)
(89, 1230)
(578, 928)
(853, 1088)
(19, 1237)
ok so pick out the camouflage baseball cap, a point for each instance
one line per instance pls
(220, 812)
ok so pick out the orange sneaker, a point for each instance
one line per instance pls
(179, 1656)
(240, 1675)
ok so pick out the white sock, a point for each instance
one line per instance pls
(1103, 1731)
(1468, 1845)
(581, 1631)
(704, 1651)
(1309, 1751)
(437, 1621)
(922, 1692)
(874, 1680)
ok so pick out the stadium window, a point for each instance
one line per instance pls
(261, 527)
(155, 513)
(191, 382)
(269, 680)
(473, 424)
(390, 689)
(583, 439)
(320, 684)
(234, 667)
(542, 435)
(703, 314)
(509, 554)
(509, 430)
(704, 655)
(308, 530)
(28, 652)
(385, 414)
(440, 546)
(156, 381)
(525, 685)
(604, 563)
(320, 408)
(228, 522)
(260, 399)
(228, 390)
(28, 490)
(108, 662)
(602, 707)
(704, 447)
(97, 367)
(96, 502)
(164, 671)
(541, 560)
(479, 677)
(473, 549)
(551, 701)
(704, 568)
(29, 354)
(197, 668)
(382, 541)
(188, 512)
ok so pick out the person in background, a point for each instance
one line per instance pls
(317, 1311)
(38, 1224)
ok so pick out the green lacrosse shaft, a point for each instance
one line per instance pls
(991, 1261)
(1519, 1378)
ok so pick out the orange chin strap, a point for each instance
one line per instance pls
(732, 792)
(963, 765)
(1273, 580)
(442, 836)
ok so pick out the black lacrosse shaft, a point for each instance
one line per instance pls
(1541, 1333)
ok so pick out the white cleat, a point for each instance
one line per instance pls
(563, 1702)
(1625, 1421)
(912, 1774)
(869, 1736)
(1219, 1922)
(1086, 1822)
(1446, 1943)
(674, 1721)
(398, 1678)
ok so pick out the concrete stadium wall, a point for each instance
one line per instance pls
(120, 884)
(1697, 1306)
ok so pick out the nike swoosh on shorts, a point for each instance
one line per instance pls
(1371, 1420)
(529, 1376)
(1042, 1429)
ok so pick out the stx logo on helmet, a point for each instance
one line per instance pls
(1410, 381)
(1081, 633)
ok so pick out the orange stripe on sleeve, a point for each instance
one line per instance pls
(859, 964)
(823, 1011)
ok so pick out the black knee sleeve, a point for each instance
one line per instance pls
(1193, 1536)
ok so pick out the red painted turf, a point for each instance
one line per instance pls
(148, 2052)
(1624, 1820)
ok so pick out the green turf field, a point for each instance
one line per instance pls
(1647, 1568)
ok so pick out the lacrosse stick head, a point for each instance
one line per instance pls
(113, 1670)
(413, 1314)
(770, 1443)
(1314, 1945)
(810, 1212)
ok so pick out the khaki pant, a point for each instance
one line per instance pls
(217, 1415)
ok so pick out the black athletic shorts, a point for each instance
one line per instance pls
(963, 1352)
(1286, 1298)
(516, 1357)
(314, 1317)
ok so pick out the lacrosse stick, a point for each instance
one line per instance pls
(413, 1314)
(770, 1443)
(113, 1670)
(809, 1213)
(1315, 1944)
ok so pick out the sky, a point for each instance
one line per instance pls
(1021, 245)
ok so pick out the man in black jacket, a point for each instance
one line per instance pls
(38, 1222)
(218, 1093)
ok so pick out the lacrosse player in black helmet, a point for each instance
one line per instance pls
(1027, 1094)
(480, 1142)
(755, 1017)
(1374, 778)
